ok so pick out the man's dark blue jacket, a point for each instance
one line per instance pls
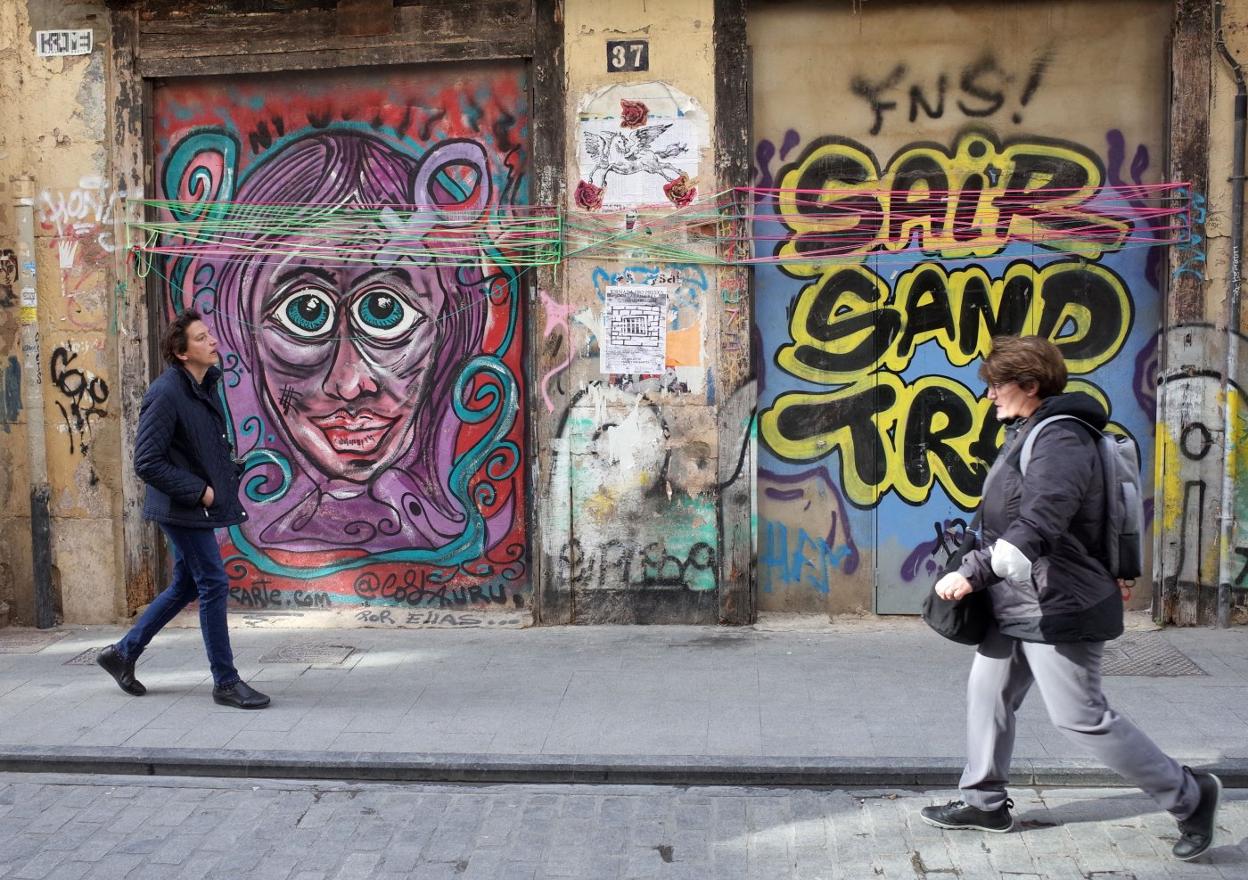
(183, 447)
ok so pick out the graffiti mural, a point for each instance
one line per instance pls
(357, 274)
(911, 202)
(903, 272)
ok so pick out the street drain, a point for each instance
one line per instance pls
(28, 641)
(309, 652)
(86, 658)
(1146, 653)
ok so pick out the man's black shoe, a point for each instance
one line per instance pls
(121, 670)
(240, 696)
(1196, 831)
(960, 816)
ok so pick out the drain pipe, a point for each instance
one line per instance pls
(32, 400)
(1230, 402)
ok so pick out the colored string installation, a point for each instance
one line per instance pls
(738, 227)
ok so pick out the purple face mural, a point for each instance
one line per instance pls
(346, 356)
(351, 324)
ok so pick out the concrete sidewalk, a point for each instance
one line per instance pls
(875, 701)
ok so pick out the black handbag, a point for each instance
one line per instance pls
(964, 620)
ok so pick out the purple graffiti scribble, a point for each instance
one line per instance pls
(764, 153)
(1117, 149)
(1144, 382)
(791, 140)
(1116, 153)
(1139, 164)
(784, 494)
(924, 555)
(920, 555)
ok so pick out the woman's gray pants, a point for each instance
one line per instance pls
(1069, 678)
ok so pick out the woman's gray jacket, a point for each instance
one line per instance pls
(1042, 538)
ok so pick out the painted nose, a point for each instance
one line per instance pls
(349, 375)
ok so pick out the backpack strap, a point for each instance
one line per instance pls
(1029, 441)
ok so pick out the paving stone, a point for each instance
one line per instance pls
(481, 832)
(69, 871)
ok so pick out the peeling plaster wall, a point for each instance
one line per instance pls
(630, 512)
(56, 136)
(1235, 24)
(1193, 437)
(15, 562)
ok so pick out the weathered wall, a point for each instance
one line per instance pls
(1235, 29)
(1198, 442)
(630, 519)
(56, 138)
(15, 562)
(628, 474)
(873, 427)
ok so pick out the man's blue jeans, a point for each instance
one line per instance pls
(197, 573)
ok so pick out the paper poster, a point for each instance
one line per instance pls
(638, 145)
(648, 165)
(634, 329)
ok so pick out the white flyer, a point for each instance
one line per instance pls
(634, 329)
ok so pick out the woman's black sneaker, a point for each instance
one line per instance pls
(1196, 831)
(961, 816)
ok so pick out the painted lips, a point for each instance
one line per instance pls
(360, 432)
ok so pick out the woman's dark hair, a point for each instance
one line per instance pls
(173, 343)
(1024, 359)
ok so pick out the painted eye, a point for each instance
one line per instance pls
(385, 315)
(307, 312)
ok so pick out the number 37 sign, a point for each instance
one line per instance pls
(628, 55)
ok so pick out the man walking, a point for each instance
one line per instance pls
(183, 454)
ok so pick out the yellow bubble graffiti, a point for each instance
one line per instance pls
(968, 203)
(845, 323)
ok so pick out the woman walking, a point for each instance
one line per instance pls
(1054, 602)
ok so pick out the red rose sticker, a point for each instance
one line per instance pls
(589, 196)
(680, 191)
(633, 114)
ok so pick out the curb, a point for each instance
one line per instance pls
(559, 769)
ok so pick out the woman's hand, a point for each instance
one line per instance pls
(952, 586)
(207, 497)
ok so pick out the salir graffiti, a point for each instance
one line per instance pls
(857, 324)
(970, 201)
